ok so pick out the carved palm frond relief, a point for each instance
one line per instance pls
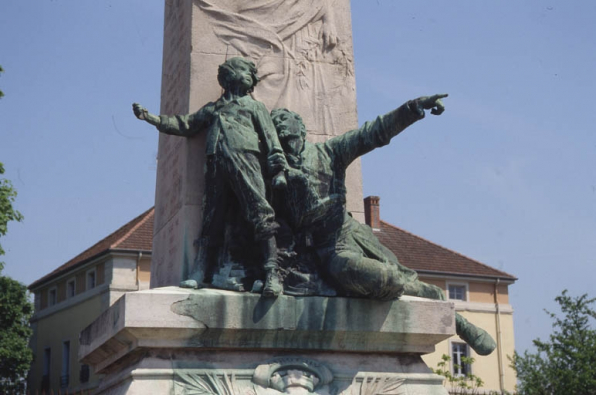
(208, 384)
(376, 386)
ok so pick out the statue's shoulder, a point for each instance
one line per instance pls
(248, 100)
(208, 108)
(320, 150)
(254, 103)
(308, 146)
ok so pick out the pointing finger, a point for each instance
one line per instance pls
(440, 96)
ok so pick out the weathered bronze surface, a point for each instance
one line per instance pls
(274, 215)
(240, 137)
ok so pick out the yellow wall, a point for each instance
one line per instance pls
(145, 270)
(56, 328)
(434, 281)
(71, 318)
(487, 367)
(81, 282)
(61, 291)
(43, 298)
(481, 292)
(485, 293)
(100, 273)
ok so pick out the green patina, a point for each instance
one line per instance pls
(266, 183)
(239, 138)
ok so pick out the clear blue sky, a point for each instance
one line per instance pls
(507, 175)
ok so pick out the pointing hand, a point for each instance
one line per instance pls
(140, 111)
(432, 103)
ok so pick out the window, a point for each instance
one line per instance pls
(45, 378)
(91, 279)
(458, 292)
(64, 377)
(459, 351)
(84, 374)
(52, 293)
(70, 288)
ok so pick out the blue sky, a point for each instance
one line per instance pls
(507, 175)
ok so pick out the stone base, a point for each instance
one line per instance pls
(178, 341)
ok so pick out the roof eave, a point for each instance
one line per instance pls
(42, 281)
(508, 279)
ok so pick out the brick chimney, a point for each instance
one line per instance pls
(372, 214)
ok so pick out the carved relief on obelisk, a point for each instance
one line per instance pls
(303, 51)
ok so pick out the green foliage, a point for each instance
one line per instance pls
(462, 384)
(7, 212)
(566, 363)
(15, 355)
(458, 384)
(15, 309)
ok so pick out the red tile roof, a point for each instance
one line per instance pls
(427, 257)
(136, 235)
(411, 250)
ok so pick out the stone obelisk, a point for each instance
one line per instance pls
(303, 50)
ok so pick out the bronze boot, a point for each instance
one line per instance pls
(477, 338)
(273, 286)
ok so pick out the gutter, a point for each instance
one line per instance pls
(499, 338)
(461, 276)
(138, 268)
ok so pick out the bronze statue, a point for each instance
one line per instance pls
(350, 256)
(248, 151)
(238, 129)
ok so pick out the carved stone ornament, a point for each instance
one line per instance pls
(296, 46)
(216, 383)
(371, 385)
(294, 375)
(285, 375)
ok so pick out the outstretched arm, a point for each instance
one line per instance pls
(144, 115)
(177, 125)
(378, 133)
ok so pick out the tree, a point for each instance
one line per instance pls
(458, 384)
(15, 309)
(465, 384)
(7, 212)
(566, 363)
(15, 355)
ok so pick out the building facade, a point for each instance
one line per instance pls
(479, 292)
(72, 296)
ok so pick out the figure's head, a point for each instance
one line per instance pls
(238, 73)
(290, 130)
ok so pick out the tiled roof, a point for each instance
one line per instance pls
(424, 256)
(411, 250)
(136, 235)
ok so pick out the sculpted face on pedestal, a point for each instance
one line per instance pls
(294, 381)
(293, 375)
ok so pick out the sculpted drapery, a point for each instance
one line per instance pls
(289, 41)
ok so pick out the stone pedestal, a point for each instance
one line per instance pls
(176, 341)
